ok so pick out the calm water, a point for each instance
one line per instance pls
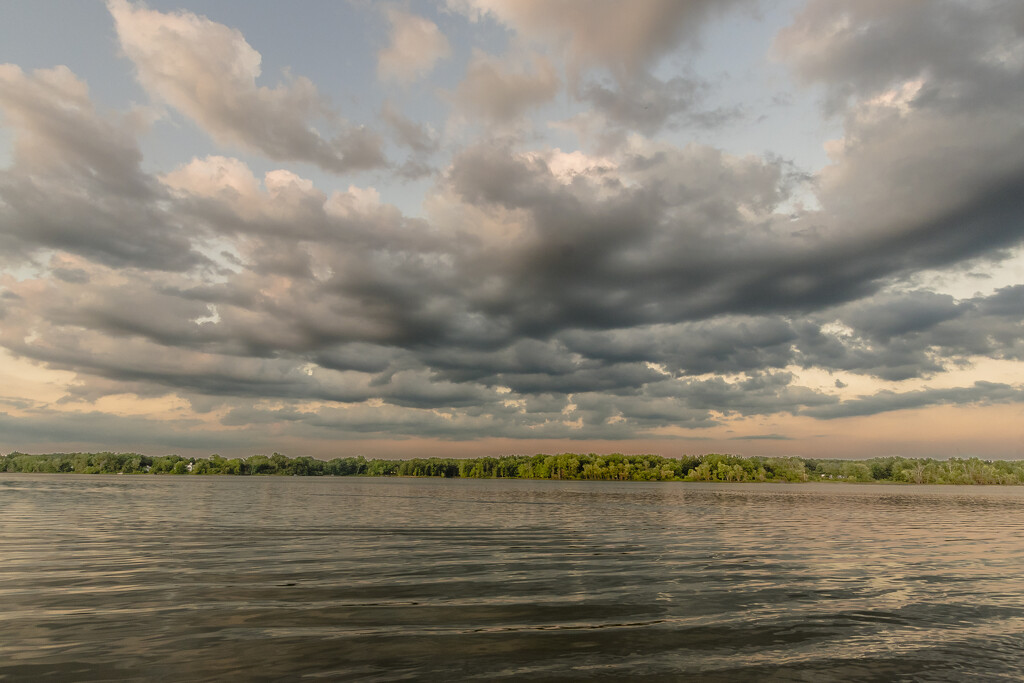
(211, 578)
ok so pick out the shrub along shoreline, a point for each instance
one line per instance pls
(564, 466)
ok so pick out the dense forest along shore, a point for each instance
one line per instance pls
(564, 466)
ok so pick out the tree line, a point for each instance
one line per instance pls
(565, 466)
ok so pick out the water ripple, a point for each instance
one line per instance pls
(181, 578)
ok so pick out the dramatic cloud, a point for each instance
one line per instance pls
(93, 430)
(981, 392)
(497, 282)
(859, 49)
(76, 182)
(208, 72)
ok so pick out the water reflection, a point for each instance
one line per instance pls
(107, 577)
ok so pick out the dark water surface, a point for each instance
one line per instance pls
(217, 578)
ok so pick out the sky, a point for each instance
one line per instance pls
(488, 227)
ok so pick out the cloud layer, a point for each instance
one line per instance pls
(642, 288)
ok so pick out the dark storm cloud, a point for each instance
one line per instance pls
(359, 356)
(884, 317)
(933, 152)
(753, 394)
(597, 377)
(386, 308)
(863, 47)
(395, 422)
(523, 357)
(544, 295)
(93, 430)
(692, 236)
(76, 182)
(638, 412)
(914, 334)
(601, 253)
(730, 344)
(984, 393)
(1008, 301)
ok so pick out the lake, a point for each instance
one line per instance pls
(269, 578)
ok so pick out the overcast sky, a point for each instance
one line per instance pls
(485, 227)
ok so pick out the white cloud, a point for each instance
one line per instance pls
(416, 45)
(287, 196)
(502, 90)
(625, 37)
(208, 72)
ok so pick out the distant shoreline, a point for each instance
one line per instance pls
(711, 467)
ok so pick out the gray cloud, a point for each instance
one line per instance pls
(914, 334)
(647, 105)
(884, 317)
(76, 182)
(885, 401)
(543, 294)
(861, 48)
(932, 145)
(722, 345)
(416, 136)
(608, 50)
(753, 394)
(92, 431)
(75, 276)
